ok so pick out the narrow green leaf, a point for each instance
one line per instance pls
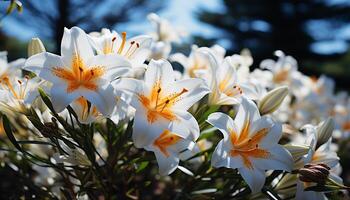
(142, 166)
(8, 131)
(322, 188)
(11, 7)
(34, 142)
(46, 100)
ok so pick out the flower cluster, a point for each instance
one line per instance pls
(272, 126)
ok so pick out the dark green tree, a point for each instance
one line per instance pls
(289, 25)
(49, 17)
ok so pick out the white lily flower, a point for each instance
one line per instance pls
(323, 86)
(78, 72)
(250, 144)
(162, 100)
(199, 63)
(135, 50)
(164, 30)
(160, 50)
(18, 92)
(225, 86)
(167, 147)
(10, 70)
(284, 71)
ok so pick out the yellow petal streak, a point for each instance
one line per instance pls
(86, 110)
(79, 76)
(17, 92)
(165, 140)
(281, 76)
(159, 105)
(247, 147)
(229, 91)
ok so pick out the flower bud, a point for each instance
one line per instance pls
(35, 46)
(316, 173)
(297, 151)
(49, 129)
(272, 100)
(324, 131)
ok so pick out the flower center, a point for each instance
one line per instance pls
(159, 105)
(17, 92)
(79, 76)
(225, 88)
(121, 50)
(165, 140)
(246, 147)
(281, 76)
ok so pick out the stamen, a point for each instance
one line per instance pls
(20, 88)
(123, 43)
(173, 98)
(134, 50)
(113, 39)
(166, 103)
(236, 90)
(158, 92)
(81, 70)
(10, 87)
(25, 87)
(131, 44)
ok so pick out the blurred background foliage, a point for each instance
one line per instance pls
(296, 27)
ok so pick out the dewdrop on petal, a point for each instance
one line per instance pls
(272, 100)
(324, 131)
(35, 46)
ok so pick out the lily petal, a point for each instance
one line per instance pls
(60, 98)
(255, 178)
(159, 71)
(186, 125)
(41, 64)
(221, 158)
(75, 43)
(196, 90)
(115, 65)
(167, 165)
(223, 122)
(279, 159)
(247, 113)
(103, 98)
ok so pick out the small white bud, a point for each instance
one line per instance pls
(324, 131)
(35, 46)
(272, 100)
